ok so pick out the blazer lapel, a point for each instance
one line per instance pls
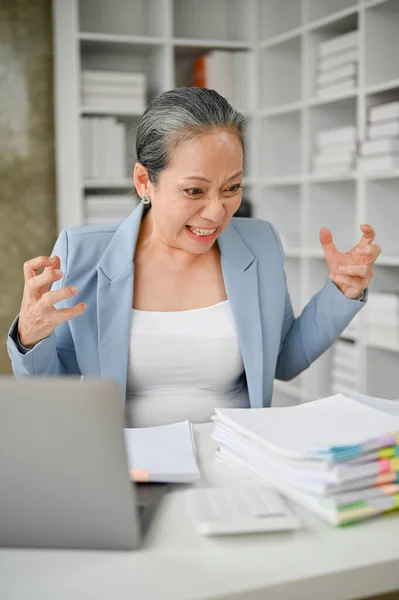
(115, 273)
(240, 273)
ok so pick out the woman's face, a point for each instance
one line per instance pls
(198, 193)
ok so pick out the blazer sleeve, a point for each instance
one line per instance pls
(305, 338)
(54, 355)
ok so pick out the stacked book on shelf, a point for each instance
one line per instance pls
(337, 457)
(335, 151)
(344, 367)
(337, 65)
(103, 148)
(382, 314)
(225, 72)
(101, 209)
(380, 150)
(113, 91)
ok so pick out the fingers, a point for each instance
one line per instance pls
(364, 271)
(370, 251)
(66, 314)
(51, 298)
(326, 239)
(347, 280)
(32, 266)
(43, 282)
(368, 235)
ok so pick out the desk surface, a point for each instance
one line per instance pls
(176, 563)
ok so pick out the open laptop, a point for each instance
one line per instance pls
(63, 467)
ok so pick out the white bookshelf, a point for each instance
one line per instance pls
(162, 38)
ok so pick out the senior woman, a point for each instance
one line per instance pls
(185, 306)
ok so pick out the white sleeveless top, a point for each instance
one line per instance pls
(182, 365)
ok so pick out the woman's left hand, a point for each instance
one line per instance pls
(351, 271)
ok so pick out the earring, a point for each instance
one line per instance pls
(145, 199)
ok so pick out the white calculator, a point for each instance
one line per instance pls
(232, 510)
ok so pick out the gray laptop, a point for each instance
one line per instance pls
(64, 479)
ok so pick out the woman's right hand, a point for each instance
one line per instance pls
(38, 318)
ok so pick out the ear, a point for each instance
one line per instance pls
(141, 179)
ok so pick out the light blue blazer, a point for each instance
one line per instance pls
(273, 343)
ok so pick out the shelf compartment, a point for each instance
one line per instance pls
(277, 18)
(340, 113)
(220, 19)
(184, 58)
(282, 207)
(332, 205)
(323, 33)
(126, 17)
(382, 368)
(281, 145)
(282, 65)
(147, 58)
(381, 42)
(382, 205)
(316, 10)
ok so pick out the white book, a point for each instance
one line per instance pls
(343, 58)
(95, 147)
(379, 163)
(133, 106)
(100, 76)
(382, 146)
(336, 135)
(338, 87)
(339, 149)
(384, 112)
(163, 453)
(343, 72)
(339, 43)
(122, 91)
(335, 169)
(387, 129)
(85, 147)
(326, 159)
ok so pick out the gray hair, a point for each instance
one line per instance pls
(179, 115)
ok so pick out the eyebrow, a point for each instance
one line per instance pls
(198, 178)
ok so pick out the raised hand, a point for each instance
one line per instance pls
(351, 271)
(38, 317)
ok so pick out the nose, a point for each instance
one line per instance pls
(214, 211)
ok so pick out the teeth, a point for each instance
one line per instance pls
(203, 232)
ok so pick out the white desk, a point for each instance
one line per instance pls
(316, 563)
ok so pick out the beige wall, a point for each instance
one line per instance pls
(27, 190)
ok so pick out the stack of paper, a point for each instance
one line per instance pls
(114, 90)
(380, 150)
(336, 456)
(335, 152)
(337, 65)
(163, 454)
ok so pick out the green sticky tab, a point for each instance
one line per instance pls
(386, 452)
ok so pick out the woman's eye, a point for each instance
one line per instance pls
(193, 191)
(234, 188)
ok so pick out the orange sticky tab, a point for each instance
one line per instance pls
(139, 475)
